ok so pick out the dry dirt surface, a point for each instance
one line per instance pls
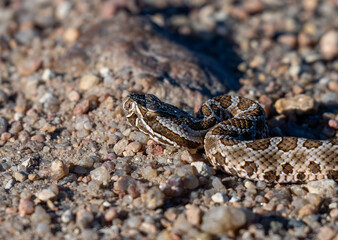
(71, 167)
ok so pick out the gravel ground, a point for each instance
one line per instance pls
(71, 167)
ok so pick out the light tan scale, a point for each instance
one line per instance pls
(233, 131)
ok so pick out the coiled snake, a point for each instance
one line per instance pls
(234, 133)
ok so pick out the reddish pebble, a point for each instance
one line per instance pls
(26, 206)
(11, 210)
(333, 86)
(82, 107)
(111, 214)
(333, 124)
(266, 103)
(253, 6)
(296, 89)
(5, 136)
(153, 148)
(29, 66)
(104, 97)
(108, 9)
(288, 40)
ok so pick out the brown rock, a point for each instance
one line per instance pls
(299, 104)
(307, 210)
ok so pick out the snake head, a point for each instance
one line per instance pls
(161, 121)
(150, 104)
(148, 101)
(140, 106)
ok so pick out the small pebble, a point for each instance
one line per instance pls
(333, 86)
(202, 169)
(219, 198)
(70, 35)
(3, 98)
(173, 187)
(300, 104)
(120, 146)
(149, 173)
(327, 233)
(222, 219)
(281, 193)
(132, 148)
(322, 187)
(40, 216)
(82, 107)
(47, 75)
(3, 125)
(20, 177)
(86, 162)
(249, 185)
(47, 194)
(100, 174)
(187, 157)
(23, 137)
(217, 184)
(58, 169)
(289, 40)
(67, 216)
(9, 184)
(74, 96)
(194, 214)
(26, 206)
(88, 82)
(307, 210)
(154, 198)
(329, 45)
(29, 66)
(43, 230)
(333, 124)
(110, 214)
(191, 182)
(84, 218)
(38, 137)
(148, 228)
(16, 127)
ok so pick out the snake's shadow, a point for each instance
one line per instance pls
(214, 51)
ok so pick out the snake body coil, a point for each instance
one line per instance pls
(234, 133)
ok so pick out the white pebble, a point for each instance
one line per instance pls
(202, 169)
(219, 198)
